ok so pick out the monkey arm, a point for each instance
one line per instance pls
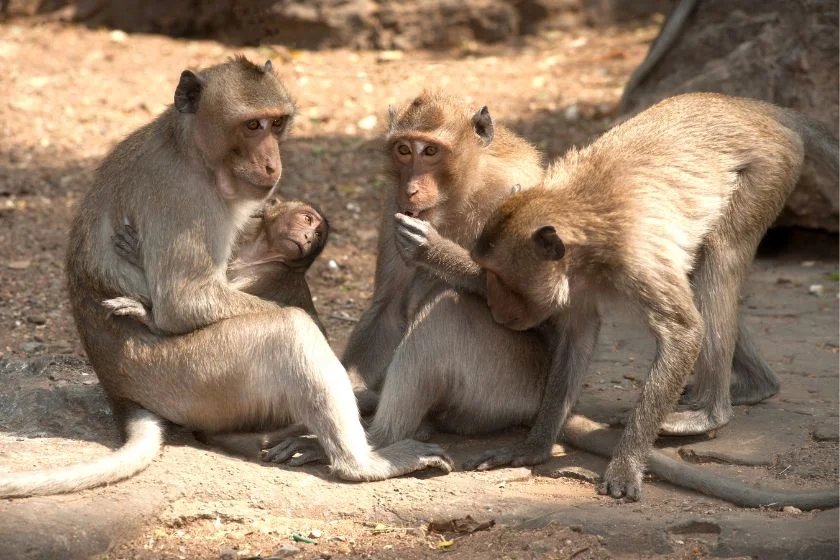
(420, 244)
(577, 333)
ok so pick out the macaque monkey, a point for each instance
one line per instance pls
(666, 211)
(421, 344)
(187, 183)
(270, 258)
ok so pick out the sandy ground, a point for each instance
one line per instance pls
(69, 94)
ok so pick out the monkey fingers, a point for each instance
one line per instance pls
(412, 236)
(308, 450)
(130, 308)
(515, 455)
(127, 245)
(622, 479)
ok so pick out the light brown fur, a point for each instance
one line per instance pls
(187, 183)
(665, 210)
(423, 341)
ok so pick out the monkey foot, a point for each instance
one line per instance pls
(622, 480)
(740, 393)
(692, 422)
(752, 394)
(308, 448)
(516, 455)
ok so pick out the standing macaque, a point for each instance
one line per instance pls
(270, 258)
(187, 183)
(666, 211)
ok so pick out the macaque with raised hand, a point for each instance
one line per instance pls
(228, 361)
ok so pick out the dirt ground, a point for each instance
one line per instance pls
(68, 94)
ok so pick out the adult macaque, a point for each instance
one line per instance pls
(270, 258)
(230, 361)
(421, 343)
(665, 210)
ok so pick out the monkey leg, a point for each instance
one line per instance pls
(461, 370)
(257, 372)
(678, 327)
(371, 345)
(752, 381)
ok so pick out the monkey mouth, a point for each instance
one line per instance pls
(419, 213)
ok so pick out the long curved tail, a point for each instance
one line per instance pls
(145, 439)
(596, 438)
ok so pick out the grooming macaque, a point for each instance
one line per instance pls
(187, 183)
(665, 210)
(270, 258)
(427, 348)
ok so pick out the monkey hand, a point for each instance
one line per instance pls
(516, 455)
(623, 478)
(127, 245)
(132, 309)
(308, 447)
(414, 238)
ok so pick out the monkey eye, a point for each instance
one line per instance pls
(308, 219)
(279, 122)
(430, 150)
(253, 124)
(403, 150)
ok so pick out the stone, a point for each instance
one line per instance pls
(779, 51)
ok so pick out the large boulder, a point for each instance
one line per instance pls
(781, 51)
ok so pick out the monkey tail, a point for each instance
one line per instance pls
(143, 443)
(596, 438)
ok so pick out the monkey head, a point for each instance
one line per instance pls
(525, 262)
(433, 145)
(293, 233)
(236, 114)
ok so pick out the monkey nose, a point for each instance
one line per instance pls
(270, 169)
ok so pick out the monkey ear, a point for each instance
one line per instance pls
(188, 92)
(268, 67)
(549, 245)
(515, 188)
(483, 125)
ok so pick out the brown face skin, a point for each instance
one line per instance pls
(295, 233)
(421, 164)
(526, 272)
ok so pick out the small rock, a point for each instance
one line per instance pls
(576, 473)
(572, 113)
(808, 264)
(285, 551)
(367, 123)
(36, 319)
(315, 534)
(332, 265)
(390, 56)
(31, 346)
(119, 36)
(228, 554)
(791, 509)
(19, 265)
(816, 290)
(826, 431)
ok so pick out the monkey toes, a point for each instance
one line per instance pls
(516, 455)
(693, 422)
(307, 449)
(622, 480)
